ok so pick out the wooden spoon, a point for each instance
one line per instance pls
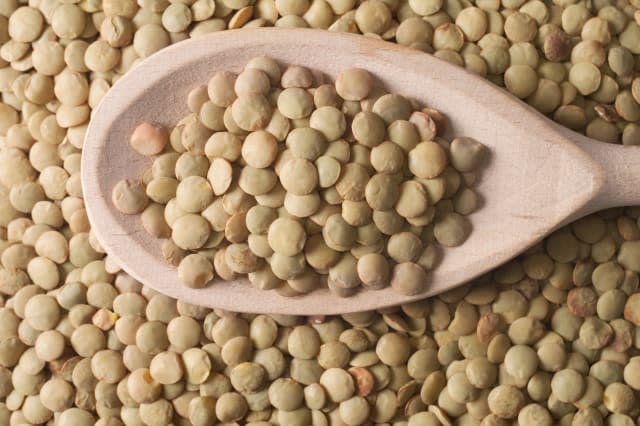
(540, 175)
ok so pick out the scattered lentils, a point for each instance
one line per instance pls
(67, 354)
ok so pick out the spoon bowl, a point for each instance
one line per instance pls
(540, 175)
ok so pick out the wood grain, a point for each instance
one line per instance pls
(539, 175)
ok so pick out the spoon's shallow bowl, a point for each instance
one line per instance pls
(515, 185)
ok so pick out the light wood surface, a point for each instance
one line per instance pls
(539, 175)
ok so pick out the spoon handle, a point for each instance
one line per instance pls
(620, 172)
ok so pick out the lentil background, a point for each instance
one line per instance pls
(550, 338)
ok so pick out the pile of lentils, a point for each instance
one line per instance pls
(263, 179)
(551, 338)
